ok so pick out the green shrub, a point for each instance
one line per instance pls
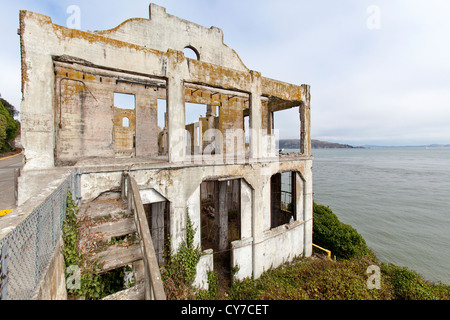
(213, 290)
(409, 285)
(342, 239)
(179, 272)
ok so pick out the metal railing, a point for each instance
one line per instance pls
(26, 251)
(154, 288)
(328, 252)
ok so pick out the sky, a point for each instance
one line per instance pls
(379, 70)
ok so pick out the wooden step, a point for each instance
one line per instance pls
(103, 208)
(135, 293)
(116, 256)
(110, 229)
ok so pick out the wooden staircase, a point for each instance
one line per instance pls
(109, 238)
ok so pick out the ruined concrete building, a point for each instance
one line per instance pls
(114, 101)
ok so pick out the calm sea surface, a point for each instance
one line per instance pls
(397, 198)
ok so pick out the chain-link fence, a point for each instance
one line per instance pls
(26, 251)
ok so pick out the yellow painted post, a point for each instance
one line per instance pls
(327, 251)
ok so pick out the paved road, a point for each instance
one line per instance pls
(7, 167)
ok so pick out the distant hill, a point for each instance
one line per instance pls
(315, 144)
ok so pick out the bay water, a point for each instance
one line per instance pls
(398, 199)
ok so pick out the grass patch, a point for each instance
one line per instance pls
(313, 279)
(316, 279)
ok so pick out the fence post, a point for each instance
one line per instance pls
(4, 272)
(16, 184)
(78, 187)
(37, 240)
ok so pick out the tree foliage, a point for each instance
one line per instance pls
(8, 106)
(9, 128)
(3, 124)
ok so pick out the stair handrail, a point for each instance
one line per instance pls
(154, 288)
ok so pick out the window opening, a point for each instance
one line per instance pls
(191, 53)
(125, 101)
(196, 124)
(283, 198)
(162, 127)
(287, 125)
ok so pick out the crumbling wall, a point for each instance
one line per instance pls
(177, 34)
(88, 124)
(68, 116)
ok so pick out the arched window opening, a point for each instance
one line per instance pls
(191, 53)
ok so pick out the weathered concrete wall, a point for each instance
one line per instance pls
(38, 108)
(267, 247)
(53, 282)
(88, 122)
(242, 258)
(171, 32)
(180, 184)
(132, 55)
(204, 266)
(68, 117)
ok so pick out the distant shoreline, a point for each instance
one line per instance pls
(422, 146)
(317, 144)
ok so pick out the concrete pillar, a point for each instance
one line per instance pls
(255, 117)
(246, 209)
(221, 215)
(305, 123)
(146, 123)
(158, 229)
(308, 209)
(176, 119)
(299, 197)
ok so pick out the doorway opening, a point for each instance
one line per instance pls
(158, 218)
(220, 222)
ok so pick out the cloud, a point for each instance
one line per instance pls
(388, 85)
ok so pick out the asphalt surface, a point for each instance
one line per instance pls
(7, 167)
